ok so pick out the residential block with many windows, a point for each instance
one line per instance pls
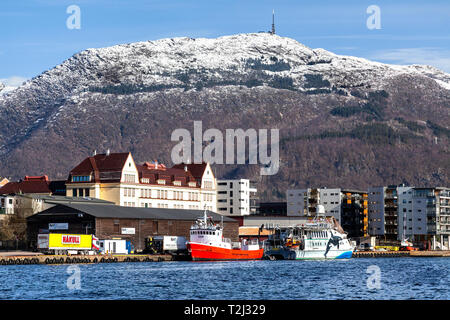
(234, 197)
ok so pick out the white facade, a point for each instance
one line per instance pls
(233, 197)
(134, 192)
(7, 205)
(331, 199)
(173, 197)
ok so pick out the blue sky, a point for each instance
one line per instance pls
(34, 36)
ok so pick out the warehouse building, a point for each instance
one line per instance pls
(129, 223)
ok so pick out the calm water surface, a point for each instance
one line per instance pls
(401, 278)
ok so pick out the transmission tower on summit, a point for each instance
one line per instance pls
(273, 22)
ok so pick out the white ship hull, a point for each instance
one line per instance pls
(320, 254)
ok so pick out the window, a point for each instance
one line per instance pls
(74, 191)
(116, 226)
(129, 177)
(208, 185)
(86, 192)
(81, 178)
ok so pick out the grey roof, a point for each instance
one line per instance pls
(64, 199)
(114, 211)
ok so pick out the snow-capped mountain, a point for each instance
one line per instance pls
(132, 96)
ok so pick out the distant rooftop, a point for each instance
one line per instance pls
(114, 211)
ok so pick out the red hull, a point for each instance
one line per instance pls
(205, 252)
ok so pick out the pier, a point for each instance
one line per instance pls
(380, 254)
(394, 254)
(65, 259)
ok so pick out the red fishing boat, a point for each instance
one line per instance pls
(207, 243)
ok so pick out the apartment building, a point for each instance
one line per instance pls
(302, 202)
(383, 212)
(235, 197)
(355, 212)
(117, 178)
(421, 215)
(348, 207)
(431, 216)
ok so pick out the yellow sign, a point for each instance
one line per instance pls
(63, 240)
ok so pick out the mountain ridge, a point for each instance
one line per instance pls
(122, 97)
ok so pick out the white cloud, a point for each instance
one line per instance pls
(435, 57)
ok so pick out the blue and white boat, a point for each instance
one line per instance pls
(318, 239)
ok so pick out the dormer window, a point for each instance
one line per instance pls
(145, 180)
(81, 178)
(161, 181)
(192, 184)
(177, 183)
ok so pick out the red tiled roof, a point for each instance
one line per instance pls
(113, 162)
(195, 169)
(33, 186)
(107, 167)
(169, 175)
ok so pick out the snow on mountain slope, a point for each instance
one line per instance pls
(162, 62)
(122, 96)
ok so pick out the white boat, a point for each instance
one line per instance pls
(319, 239)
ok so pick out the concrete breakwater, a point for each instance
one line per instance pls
(64, 259)
(392, 254)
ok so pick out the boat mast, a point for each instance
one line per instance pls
(204, 216)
